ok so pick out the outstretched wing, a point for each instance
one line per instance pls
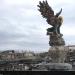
(45, 9)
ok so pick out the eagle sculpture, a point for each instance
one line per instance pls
(54, 20)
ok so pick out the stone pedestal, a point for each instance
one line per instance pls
(60, 66)
(58, 53)
(53, 67)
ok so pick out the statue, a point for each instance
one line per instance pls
(55, 21)
(57, 52)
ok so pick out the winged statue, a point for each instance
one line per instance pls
(53, 19)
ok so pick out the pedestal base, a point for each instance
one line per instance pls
(53, 67)
(60, 66)
(58, 53)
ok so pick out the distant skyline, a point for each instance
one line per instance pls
(23, 27)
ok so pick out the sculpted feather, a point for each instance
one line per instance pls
(48, 13)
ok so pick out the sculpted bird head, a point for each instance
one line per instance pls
(60, 18)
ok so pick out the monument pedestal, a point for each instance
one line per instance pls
(60, 66)
(58, 53)
(53, 67)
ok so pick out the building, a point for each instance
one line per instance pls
(12, 55)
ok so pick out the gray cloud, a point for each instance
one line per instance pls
(22, 26)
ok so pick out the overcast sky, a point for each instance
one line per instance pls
(22, 26)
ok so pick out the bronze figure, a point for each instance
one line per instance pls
(54, 20)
